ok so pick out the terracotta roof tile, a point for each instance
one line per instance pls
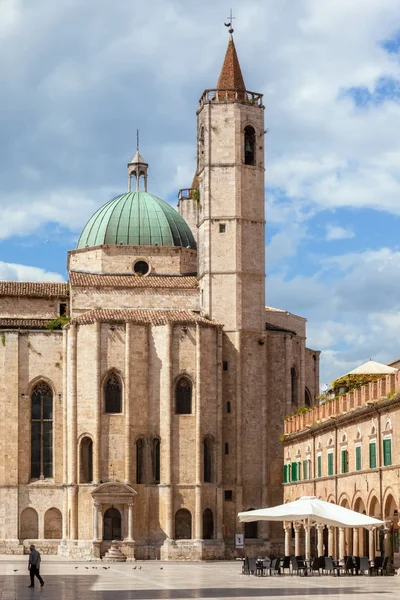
(131, 281)
(23, 323)
(141, 316)
(32, 289)
(231, 74)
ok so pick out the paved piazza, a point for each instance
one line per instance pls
(159, 581)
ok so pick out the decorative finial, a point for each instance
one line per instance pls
(230, 22)
(137, 140)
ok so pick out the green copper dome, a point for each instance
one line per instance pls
(136, 219)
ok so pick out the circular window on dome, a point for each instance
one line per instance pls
(141, 267)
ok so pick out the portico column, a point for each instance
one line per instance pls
(95, 521)
(307, 540)
(371, 540)
(331, 541)
(288, 531)
(297, 540)
(356, 541)
(341, 543)
(320, 532)
(130, 522)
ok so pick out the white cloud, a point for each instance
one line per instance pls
(335, 232)
(15, 272)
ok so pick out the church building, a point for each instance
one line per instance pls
(143, 400)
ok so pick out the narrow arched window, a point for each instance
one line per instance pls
(208, 524)
(208, 460)
(86, 461)
(183, 525)
(155, 460)
(41, 432)
(251, 529)
(307, 397)
(294, 386)
(140, 460)
(113, 394)
(249, 146)
(183, 396)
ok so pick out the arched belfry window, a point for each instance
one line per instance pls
(113, 394)
(249, 146)
(183, 396)
(86, 460)
(140, 450)
(41, 432)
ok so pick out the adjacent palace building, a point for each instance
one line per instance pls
(347, 451)
(143, 400)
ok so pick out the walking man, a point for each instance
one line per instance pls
(34, 566)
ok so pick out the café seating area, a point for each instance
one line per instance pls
(321, 565)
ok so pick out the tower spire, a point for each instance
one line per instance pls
(231, 74)
(137, 168)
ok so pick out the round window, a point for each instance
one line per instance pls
(141, 267)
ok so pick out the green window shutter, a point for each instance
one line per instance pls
(305, 474)
(344, 461)
(294, 471)
(289, 473)
(330, 463)
(299, 471)
(372, 455)
(358, 458)
(387, 452)
(285, 474)
(319, 466)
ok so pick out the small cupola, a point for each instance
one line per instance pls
(137, 168)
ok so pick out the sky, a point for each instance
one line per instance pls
(78, 78)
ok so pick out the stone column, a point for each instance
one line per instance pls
(127, 404)
(129, 538)
(371, 543)
(97, 405)
(167, 441)
(341, 543)
(331, 541)
(95, 521)
(288, 532)
(307, 541)
(297, 540)
(320, 533)
(356, 541)
(198, 441)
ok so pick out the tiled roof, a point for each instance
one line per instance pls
(23, 323)
(231, 74)
(34, 289)
(141, 316)
(131, 281)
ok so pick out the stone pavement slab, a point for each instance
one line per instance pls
(181, 581)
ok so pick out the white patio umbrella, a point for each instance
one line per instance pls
(310, 510)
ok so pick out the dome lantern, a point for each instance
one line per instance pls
(137, 168)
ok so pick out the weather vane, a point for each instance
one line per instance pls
(230, 23)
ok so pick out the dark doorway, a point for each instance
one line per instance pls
(112, 524)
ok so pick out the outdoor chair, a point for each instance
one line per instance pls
(275, 568)
(298, 566)
(380, 566)
(316, 566)
(251, 566)
(286, 563)
(364, 565)
(330, 567)
(349, 565)
(264, 566)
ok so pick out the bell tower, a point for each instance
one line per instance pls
(230, 170)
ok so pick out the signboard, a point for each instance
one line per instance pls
(239, 540)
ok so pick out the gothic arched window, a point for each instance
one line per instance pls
(155, 460)
(86, 460)
(294, 385)
(249, 146)
(307, 397)
(208, 460)
(41, 432)
(208, 524)
(183, 524)
(140, 451)
(183, 396)
(113, 394)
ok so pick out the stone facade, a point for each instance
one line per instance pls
(194, 333)
(346, 451)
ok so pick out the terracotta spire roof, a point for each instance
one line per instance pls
(231, 74)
